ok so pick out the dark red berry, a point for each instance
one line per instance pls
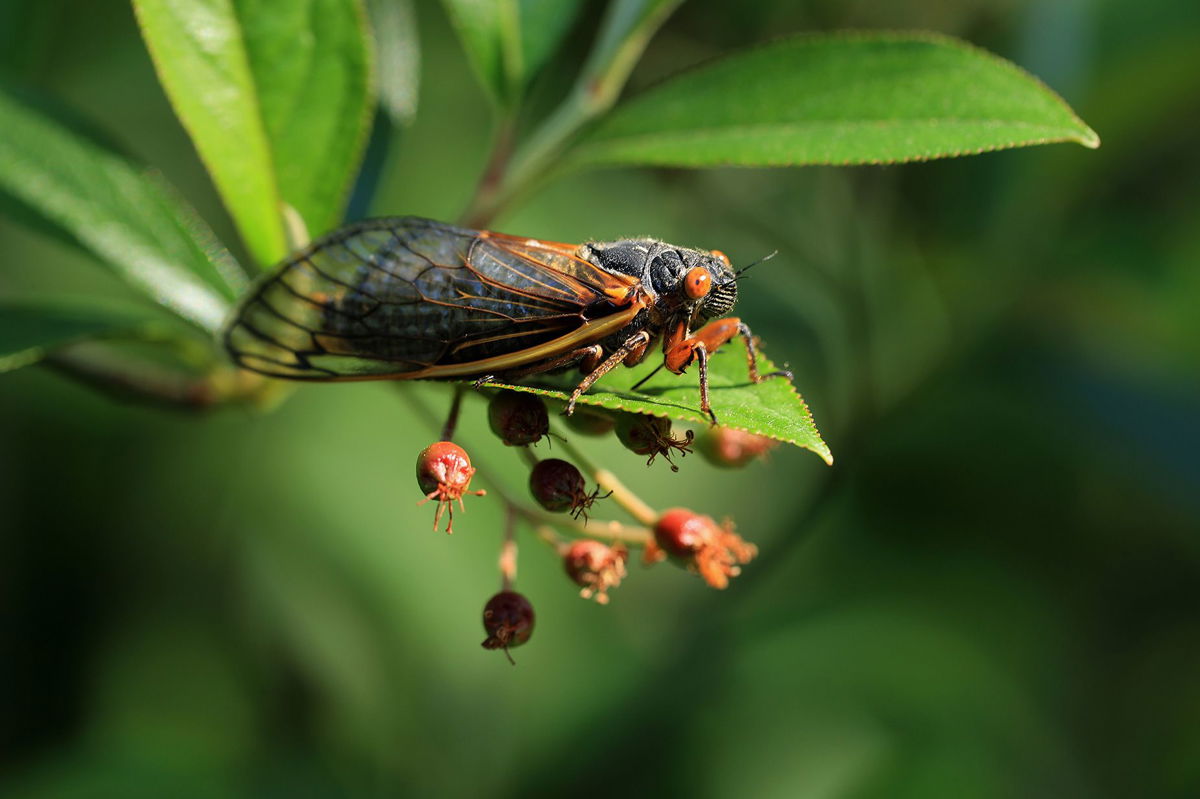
(519, 419)
(559, 487)
(595, 568)
(444, 474)
(701, 545)
(508, 621)
(590, 423)
(731, 448)
(651, 435)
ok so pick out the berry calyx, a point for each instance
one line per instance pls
(651, 435)
(730, 448)
(508, 622)
(702, 546)
(559, 487)
(517, 418)
(444, 474)
(595, 567)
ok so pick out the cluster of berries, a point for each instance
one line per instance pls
(692, 540)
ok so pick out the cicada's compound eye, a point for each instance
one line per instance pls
(723, 258)
(697, 282)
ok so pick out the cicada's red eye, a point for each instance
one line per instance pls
(722, 257)
(697, 282)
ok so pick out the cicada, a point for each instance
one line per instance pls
(408, 298)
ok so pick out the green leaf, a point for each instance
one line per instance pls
(311, 61)
(129, 219)
(835, 99)
(508, 41)
(276, 98)
(773, 408)
(397, 57)
(201, 59)
(543, 25)
(31, 328)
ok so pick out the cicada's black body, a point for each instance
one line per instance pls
(410, 298)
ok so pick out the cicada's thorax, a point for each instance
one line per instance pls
(661, 268)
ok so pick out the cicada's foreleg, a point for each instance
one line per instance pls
(635, 343)
(681, 350)
(752, 355)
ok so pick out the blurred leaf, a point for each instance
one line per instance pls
(773, 408)
(397, 57)
(543, 24)
(31, 328)
(508, 41)
(841, 99)
(276, 98)
(128, 218)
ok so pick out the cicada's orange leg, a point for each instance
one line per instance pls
(634, 346)
(681, 350)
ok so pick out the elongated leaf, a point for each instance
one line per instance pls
(508, 41)
(200, 55)
(128, 218)
(836, 99)
(311, 61)
(397, 57)
(276, 98)
(773, 408)
(31, 328)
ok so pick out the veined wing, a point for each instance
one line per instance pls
(409, 297)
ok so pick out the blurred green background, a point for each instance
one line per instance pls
(994, 592)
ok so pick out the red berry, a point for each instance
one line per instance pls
(681, 533)
(518, 418)
(559, 487)
(595, 567)
(732, 448)
(508, 621)
(590, 423)
(651, 435)
(701, 545)
(444, 474)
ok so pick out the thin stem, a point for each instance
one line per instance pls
(452, 418)
(548, 536)
(477, 214)
(508, 552)
(626, 31)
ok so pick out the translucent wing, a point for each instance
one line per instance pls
(410, 298)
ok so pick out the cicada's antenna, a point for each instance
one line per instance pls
(738, 274)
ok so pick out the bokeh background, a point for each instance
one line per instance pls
(994, 592)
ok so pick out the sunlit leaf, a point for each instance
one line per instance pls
(773, 408)
(130, 219)
(836, 99)
(275, 97)
(311, 64)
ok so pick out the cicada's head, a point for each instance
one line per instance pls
(701, 280)
(696, 280)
